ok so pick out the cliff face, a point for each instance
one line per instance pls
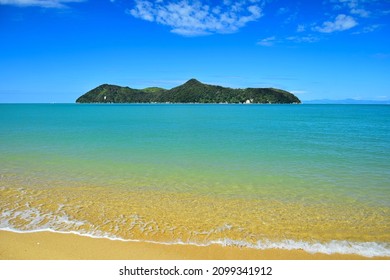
(192, 91)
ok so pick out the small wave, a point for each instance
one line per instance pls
(33, 220)
(365, 249)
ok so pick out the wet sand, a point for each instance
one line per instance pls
(59, 246)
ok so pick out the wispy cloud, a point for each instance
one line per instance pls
(195, 18)
(267, 42)
(340, 23)
(271, 41)
(368, 29)
(361, 8)
(301, 28)
(283, 10)
(39, 3)
(356, 7)
(360, 12)
(382, 55)
(349, 14)
(303, 39)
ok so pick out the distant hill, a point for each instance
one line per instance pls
(192, 91)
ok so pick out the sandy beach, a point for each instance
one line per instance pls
(58, 246)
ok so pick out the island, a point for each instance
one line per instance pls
(192, 91)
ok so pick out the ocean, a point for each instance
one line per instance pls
(310, 177)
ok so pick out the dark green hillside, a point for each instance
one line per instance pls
(115, 94)
(192, 91)
(153, 89)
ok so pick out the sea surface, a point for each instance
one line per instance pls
(311, 177)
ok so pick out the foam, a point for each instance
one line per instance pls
(365, 249)
(34, 219)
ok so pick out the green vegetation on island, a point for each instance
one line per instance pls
(192, 91)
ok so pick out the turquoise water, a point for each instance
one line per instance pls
(248, 174)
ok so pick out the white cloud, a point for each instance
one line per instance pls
(267, 42)
(360, 12)
(194, 18)
(350, 3)
(355, 7)
(303, 39)
(341, 22)
(39, 3)
(368, 29)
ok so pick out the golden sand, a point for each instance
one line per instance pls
(58, 246)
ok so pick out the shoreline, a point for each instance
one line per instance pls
(46, 245)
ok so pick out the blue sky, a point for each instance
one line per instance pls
(56, 50)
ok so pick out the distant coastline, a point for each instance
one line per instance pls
(347, 101)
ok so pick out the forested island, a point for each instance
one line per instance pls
(192, 91)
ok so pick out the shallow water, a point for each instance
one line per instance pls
(315, 177)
